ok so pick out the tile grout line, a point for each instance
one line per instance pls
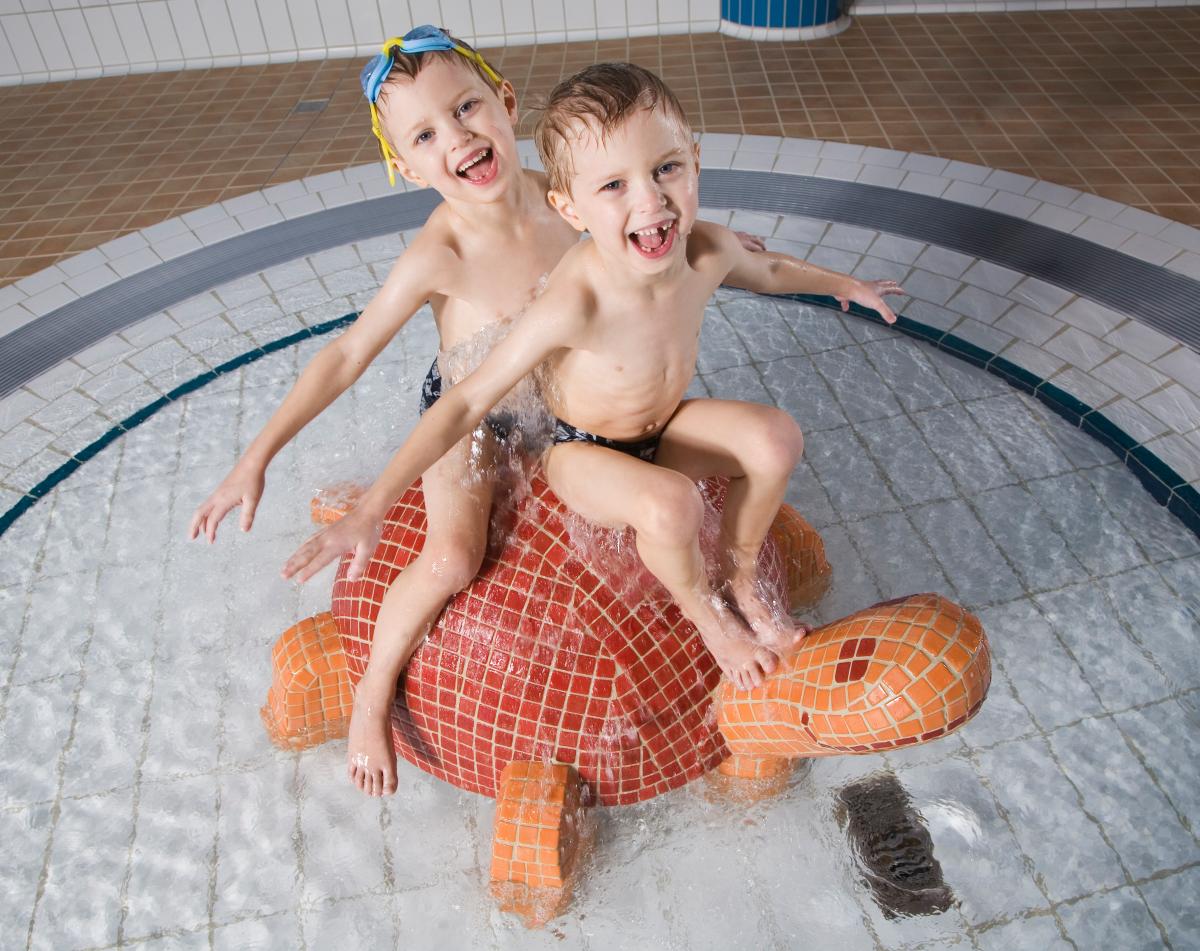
(144, 750)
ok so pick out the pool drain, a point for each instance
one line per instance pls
(893, 848)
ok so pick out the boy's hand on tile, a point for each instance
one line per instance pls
(870, 294)
(751, 242)
(355, 532)
(243, 486)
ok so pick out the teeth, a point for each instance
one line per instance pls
(475, 161)
(654, 230)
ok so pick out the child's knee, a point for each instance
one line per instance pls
(672, 511)
(453, 566)
(774, 443)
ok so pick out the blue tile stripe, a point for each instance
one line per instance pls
(1162, 482)
(780, 14)
(43, 488)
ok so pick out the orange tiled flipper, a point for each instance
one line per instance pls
(541, 827)
(899, 673)
(310, 699)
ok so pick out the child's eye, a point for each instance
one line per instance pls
(467, 106)
(423, 136)
(610, 186)
(667, 168)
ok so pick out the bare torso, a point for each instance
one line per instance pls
(494, 274)
(635, 353)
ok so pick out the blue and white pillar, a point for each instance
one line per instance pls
(782, 19)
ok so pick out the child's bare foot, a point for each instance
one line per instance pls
(741, 658)
(773, 629)
(370, 757)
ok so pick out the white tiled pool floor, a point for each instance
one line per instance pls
(142, 804)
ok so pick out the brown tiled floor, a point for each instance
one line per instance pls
(1107, 101)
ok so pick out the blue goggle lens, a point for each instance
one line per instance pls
(374, 73)
(420, 39)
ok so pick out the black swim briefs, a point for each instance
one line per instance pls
(644, 449)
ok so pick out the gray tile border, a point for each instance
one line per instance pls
(1175, 406)
(924, 184)
(1045, 295)
(1079, 348)
(1129, 376)
(1089, 316)
(1104, 233)
(1060, 219)
(1183, 366)
(1010, 203)
(882, 175)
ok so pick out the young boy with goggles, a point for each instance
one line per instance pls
(444, 119)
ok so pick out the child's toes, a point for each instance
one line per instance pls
(767, 660)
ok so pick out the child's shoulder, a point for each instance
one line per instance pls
(708, 236)
(430, 258)
(573, 287)
(437, 243)
(711, 244)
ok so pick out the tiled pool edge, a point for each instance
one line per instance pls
(1165, 485)
(1148, 390)
(1139, 234)
(135, 419)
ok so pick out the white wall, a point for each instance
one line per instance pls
(44, 40)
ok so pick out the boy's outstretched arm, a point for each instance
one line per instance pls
(768, 272)
(415, 276)
(541, 330)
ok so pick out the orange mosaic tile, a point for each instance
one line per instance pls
(334, 501)
(540, 659)
(310, 698)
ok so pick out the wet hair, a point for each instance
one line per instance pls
(599, 97)
(410, 64)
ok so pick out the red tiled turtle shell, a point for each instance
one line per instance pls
(539, 659)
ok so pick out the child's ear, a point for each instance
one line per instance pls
(408, 174)
(565, 207)
(508, 99)
(696, 154)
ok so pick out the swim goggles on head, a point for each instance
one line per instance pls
(421, 39)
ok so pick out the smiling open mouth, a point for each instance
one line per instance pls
(655, 241)
(479, 168)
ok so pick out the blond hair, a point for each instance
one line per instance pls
(601, 97)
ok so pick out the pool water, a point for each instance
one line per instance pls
(142, 804)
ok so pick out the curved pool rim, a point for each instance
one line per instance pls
(1126, 281)
(1160, 480)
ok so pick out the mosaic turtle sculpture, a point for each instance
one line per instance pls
(546, 685)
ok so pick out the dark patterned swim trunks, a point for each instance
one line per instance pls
(501, 424)
(644, 449)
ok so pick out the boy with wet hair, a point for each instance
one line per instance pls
(445, 119)
(618, 327)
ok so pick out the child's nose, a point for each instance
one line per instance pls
(650, 196)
